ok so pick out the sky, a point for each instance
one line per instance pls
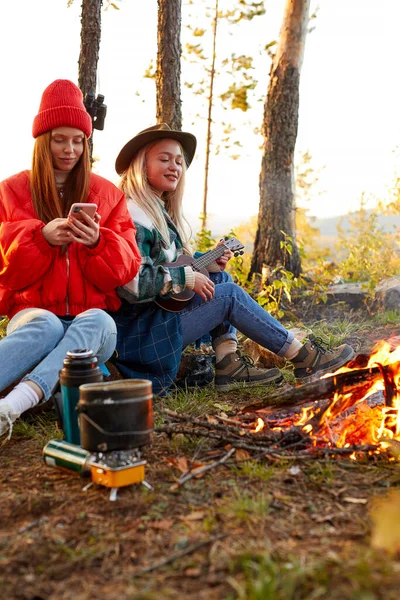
(349, 116)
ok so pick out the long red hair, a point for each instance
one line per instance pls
(46, 201)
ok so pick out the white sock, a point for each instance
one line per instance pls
(224, 348)
(21, 398)
(293, 349)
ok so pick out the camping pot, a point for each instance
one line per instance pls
(80, 366)
(115, 415)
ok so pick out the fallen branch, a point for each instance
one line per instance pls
(200, 470)
(239, 430)
(240, 442)
(171, 414)
(273, 438)
(176, 555)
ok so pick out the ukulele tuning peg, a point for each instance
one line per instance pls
(226, 238)
(241, 252)
(235, 254)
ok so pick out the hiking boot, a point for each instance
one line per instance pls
(7, 418)
(236, 368)
(314, 357)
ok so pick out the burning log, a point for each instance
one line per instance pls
(335, 421)
(356, 382)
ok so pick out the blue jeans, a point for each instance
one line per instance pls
(37, 337)
(231, 307)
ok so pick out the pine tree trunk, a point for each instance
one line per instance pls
(277, 194)
(168, 74)
(90, 45)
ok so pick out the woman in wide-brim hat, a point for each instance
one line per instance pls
(56, 282)
(150, 337)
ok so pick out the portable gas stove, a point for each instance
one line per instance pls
(115, 469)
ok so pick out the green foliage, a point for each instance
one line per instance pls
(203, 240)
(280, 284)
(196, 50)
(150, 72)
(238, 95)
(372, 254)
(244, 10)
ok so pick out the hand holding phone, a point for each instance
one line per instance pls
(86, 207)
(84, 231)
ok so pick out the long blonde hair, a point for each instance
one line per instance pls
(135, 185)
(46, 201)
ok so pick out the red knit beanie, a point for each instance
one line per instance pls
(62, 106)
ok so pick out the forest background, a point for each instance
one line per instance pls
(348, 124)
(290, 526)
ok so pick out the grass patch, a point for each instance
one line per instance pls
(321, 472)
(38, 427)
(254, 469)
(273, 577)
(336, 332)
(388, 317)
(246, 507)
(192, 401)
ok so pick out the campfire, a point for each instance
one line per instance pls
(349, 418)
(353, 412)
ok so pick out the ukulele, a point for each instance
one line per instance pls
(177, 302)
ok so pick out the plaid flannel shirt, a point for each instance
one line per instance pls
(153, 278)
(149, 339)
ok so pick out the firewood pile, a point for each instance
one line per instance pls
(352, 413)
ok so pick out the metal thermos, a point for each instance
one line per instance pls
(80, 366)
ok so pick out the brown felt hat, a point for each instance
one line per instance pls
(151, 134)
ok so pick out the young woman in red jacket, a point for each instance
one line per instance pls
(56, 271)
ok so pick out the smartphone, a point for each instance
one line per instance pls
(87, 207)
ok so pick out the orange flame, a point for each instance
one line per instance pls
(259, 426)
(337, 426)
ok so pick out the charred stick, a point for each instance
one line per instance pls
(390, 391)
(343, 383)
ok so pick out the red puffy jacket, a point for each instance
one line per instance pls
(35, 274)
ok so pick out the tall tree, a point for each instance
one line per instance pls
(209, 118)
(90, 46)
(206, 87)
(168, 72)
(281, 108)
